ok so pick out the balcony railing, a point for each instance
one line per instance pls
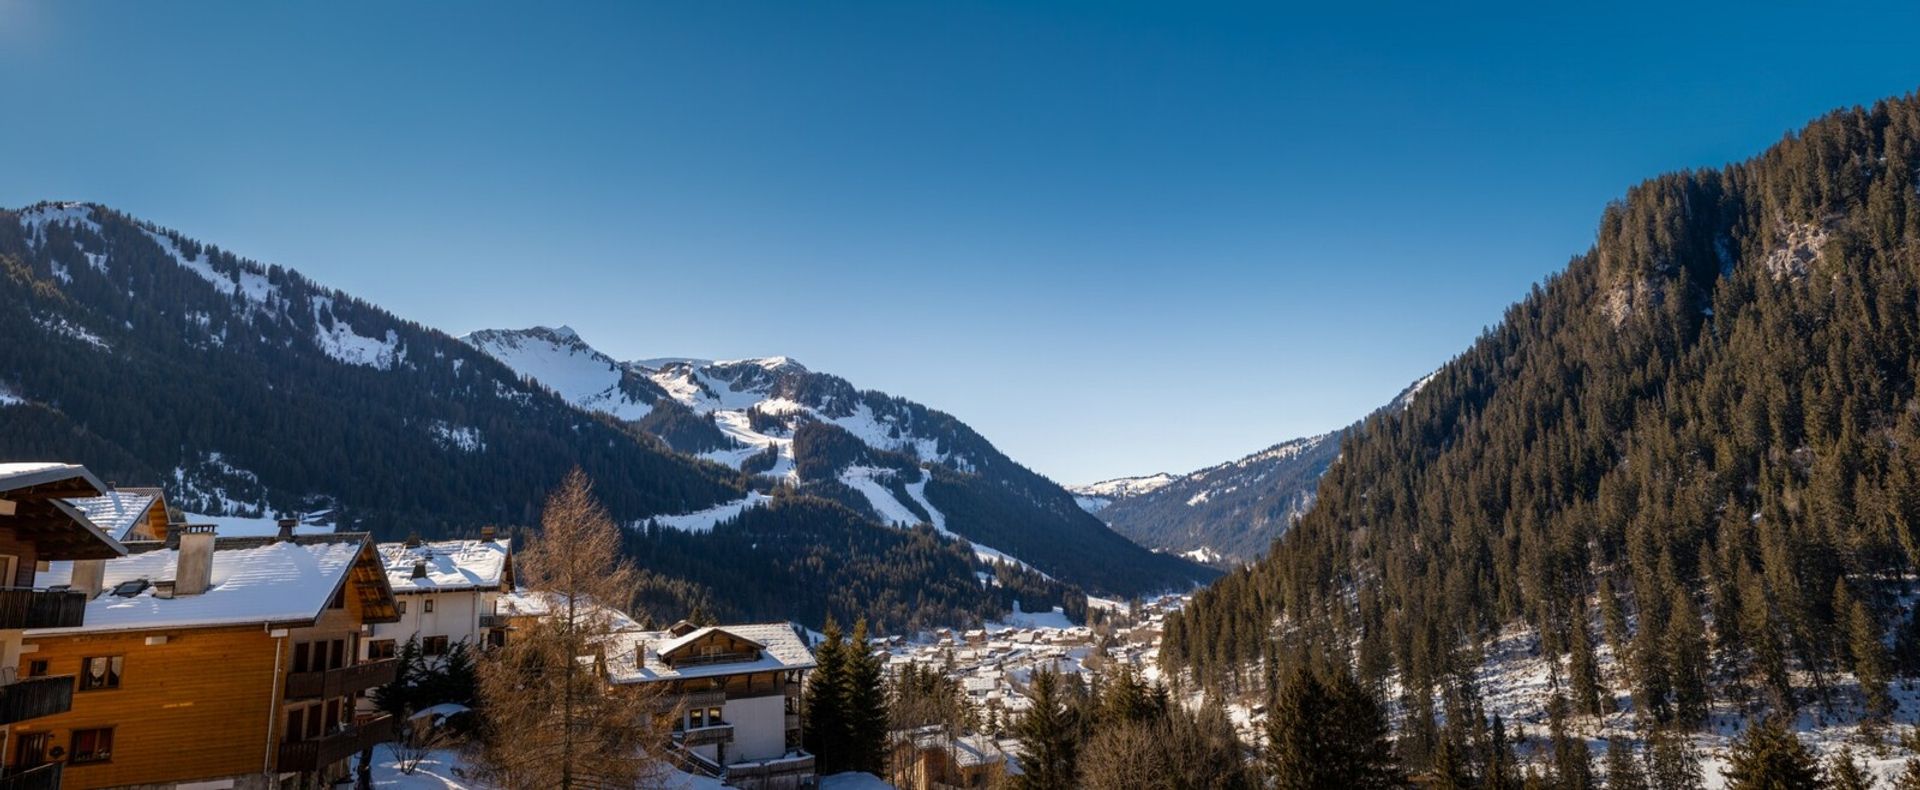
(31, 698)
(317, 753)
(701, 736)
(343, 681)
(40, 777)
(494, 621)
(22, 607)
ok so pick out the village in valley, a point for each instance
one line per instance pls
(144, 650)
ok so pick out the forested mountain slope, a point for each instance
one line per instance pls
(1226, 513)
(888, 458)
(1694, 452)
(248, 390)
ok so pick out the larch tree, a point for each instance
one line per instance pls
(552, 718)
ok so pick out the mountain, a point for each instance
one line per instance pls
(1680, 475)
(891, 459)
(1226, 513)
(248, 390)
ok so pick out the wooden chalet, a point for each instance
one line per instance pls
(213, 662)
(37, 524)
(737, 689)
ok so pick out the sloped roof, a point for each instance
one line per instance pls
(116, 512)
(781, 649)
(36, 491)
(255, 580)
(451, 565)
(673, 645)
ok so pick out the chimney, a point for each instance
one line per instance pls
(88, 576)
(487, 533)
(419, 569)
(195, 570)
(286, 528)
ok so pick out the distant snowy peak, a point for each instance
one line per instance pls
(1094, 497)
(558, 359)
(754, 404)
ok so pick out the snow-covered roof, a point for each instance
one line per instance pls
(450, 565)
(253, 581)
(26, 474)
(670, 646)
(116, 512)
(780, 649)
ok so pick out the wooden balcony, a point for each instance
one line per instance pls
(22, 607)
(701, 736)
(31, 698)
(495, 621)
(343, 681)
(42, 777)
(317, 753)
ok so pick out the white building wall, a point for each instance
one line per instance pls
(759, 727)
(456, 616)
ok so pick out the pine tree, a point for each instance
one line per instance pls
(866, 700)
(1909, 778)
(1870, 661)
(1048, 735)
(826, 720)
(1623, 768)
(1672, 762)
(1582, 668)
(1846, 773)
(1328, 733)
(1770, 757)
(1686, 646)
(1572, 762)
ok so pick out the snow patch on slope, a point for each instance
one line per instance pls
(888, 507)
(558, 360)
(704, 520)
(336, 339)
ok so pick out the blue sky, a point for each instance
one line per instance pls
(1116, 238)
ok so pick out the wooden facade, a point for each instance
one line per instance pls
(248, 703)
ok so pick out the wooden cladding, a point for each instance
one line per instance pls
(35, 697)
(342, 682)
(24, 608)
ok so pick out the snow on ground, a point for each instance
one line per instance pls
(1054, 618)
(560, 361)
(458, 437)
(1121, 487)
(36, 219)
(10, 398)
(704, 520)
(1202, 554)
(61, 326)
(853, 780)
(862, 479)
(249, 283)
(336, 339)
(918, 490)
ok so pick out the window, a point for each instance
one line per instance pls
(101, 672)
(427, 606)
(37, 668)
(380, 648)
(434, 646)
(401, 607)
(339, 599)
(696, 718)
(713, 716)
(92, 746)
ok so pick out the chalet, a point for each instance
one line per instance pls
(213, 662)
(127, 514)
(448, 593)
(38, 525)
(930, 758)
(738, 689)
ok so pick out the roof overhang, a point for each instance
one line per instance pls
(57, 530)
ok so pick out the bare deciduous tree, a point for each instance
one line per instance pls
(552, 719)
